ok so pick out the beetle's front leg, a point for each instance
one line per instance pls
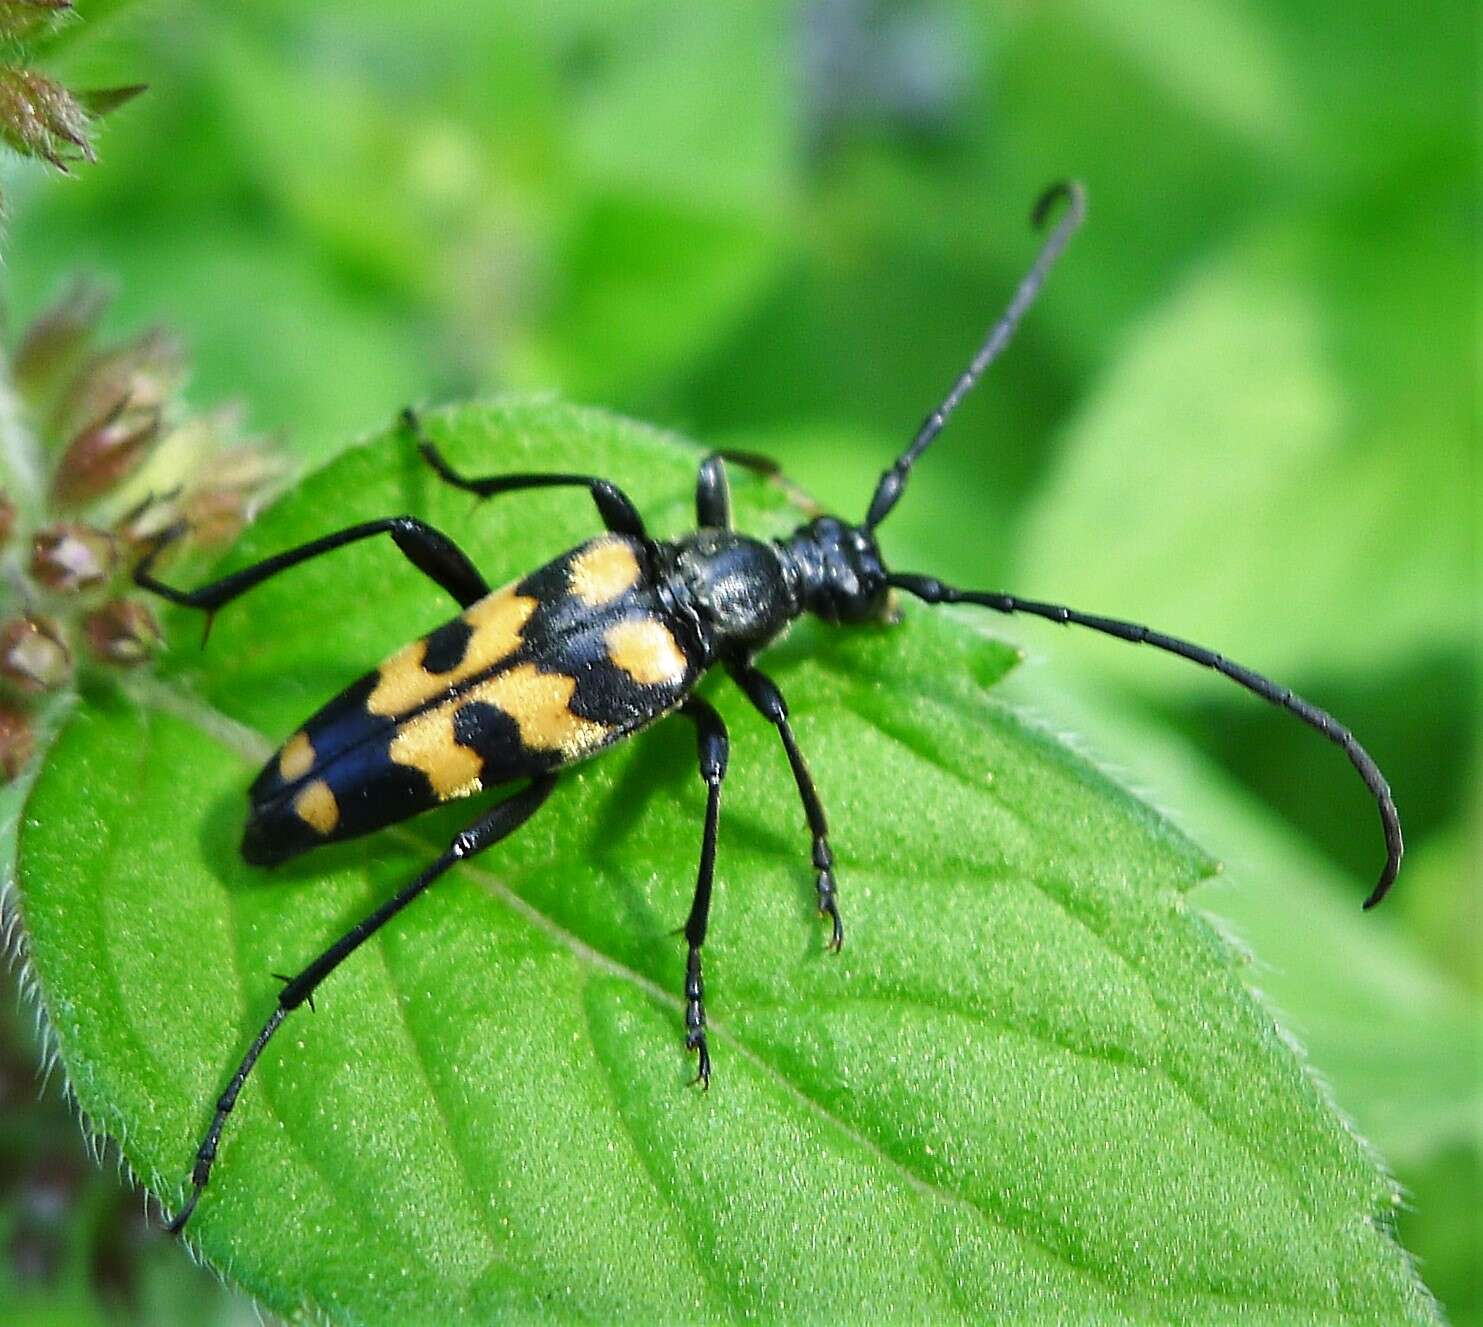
(763, 692)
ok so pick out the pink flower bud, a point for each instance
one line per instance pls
(72, 557)
(57, 337)
(139, 375)
(105, 454)
(214, 515)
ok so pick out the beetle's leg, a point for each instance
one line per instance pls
(613, 505)
(763, 692)
(713, 492)
(427, 549)
(488, 830)
(713, 749)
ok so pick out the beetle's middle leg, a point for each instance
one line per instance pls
(713, 748)
(763, 692)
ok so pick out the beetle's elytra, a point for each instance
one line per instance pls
(598, 643)
(525, 680)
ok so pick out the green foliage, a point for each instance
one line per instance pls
(349, 205)
(1318, 460)
(1032, 1085)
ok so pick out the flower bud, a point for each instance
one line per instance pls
(56, 337)
(72, 557)
(139, 375)
(122, 631)
(246, 466)
(226, 490)
(40, 118)
(214, 515)
(33, 654)
(17, 741)
(144, 522)
(103, 455)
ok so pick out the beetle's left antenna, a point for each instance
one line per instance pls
(893, 483)
(933, 591)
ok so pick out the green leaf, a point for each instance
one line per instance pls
(1248, 92)
(1357, 998)
(1258, 436)
(1033, 1085)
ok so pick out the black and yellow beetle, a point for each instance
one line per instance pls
(606, 639)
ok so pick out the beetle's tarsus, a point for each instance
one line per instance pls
(177, 1223)
(697, 1042)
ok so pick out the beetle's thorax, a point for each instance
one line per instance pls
(741, 592)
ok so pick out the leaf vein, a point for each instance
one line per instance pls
(695, 1255)
(481, 1211)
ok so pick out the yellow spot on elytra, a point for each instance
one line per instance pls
(644, 649)
(540, 704)
(296, 759)
(497, 621)
(316, 806)
(602, 571)
(427, 743)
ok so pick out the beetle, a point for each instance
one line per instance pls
(606, 639)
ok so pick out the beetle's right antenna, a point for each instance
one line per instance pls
(893, 483)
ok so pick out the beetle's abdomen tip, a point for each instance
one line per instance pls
(264, 845)
(281, 828)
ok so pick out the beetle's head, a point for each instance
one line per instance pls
(840, 574)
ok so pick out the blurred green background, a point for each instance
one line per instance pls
(1244, 410)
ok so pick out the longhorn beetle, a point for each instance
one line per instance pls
(605, 640)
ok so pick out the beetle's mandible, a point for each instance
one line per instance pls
(597, 644)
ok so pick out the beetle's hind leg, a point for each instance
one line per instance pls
(763, 692)
(427, 549)
(488, 830)
(613, 505)
(713, 748)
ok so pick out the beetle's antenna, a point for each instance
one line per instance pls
(933, 591)
(893, 482)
